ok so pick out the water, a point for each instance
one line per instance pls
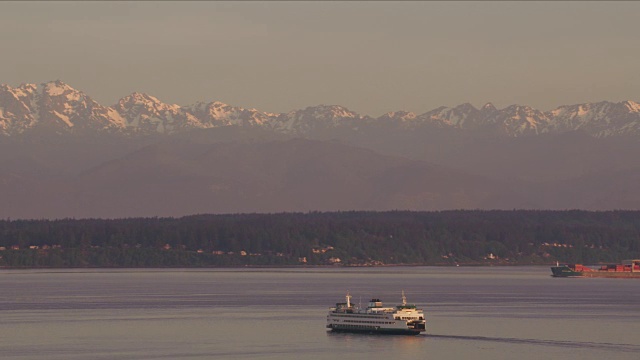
(472, 313)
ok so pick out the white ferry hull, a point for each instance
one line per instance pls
(403, 319)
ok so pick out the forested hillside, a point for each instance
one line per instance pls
(336, 238)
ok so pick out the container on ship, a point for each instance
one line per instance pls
(628, 269)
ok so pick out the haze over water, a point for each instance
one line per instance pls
(479, 313)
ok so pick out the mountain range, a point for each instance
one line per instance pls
(57, 107)
(62, 154)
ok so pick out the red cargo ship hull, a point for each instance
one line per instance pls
(628, 269)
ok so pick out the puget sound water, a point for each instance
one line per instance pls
(472, 313)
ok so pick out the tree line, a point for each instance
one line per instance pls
(515, 237)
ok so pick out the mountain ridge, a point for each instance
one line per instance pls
(57, 107)
(62, 154)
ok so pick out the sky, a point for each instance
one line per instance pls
(371, 57)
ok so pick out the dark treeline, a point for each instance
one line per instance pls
(347, 238)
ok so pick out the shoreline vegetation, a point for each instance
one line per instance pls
(324, 239)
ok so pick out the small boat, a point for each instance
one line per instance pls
(404, 319)
(628, 269)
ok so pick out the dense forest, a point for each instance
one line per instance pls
(336, 238)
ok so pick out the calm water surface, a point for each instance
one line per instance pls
(472, 313)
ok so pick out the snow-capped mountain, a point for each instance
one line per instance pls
(401, 117)
(148, 115)
(220, 114)
(59, 108)
(53, 106)
(62, 108)
(459, 157)
(600, 119)
(16, 106)
(514, 120)
(463, 116)
(315, 118)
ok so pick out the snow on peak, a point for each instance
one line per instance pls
(57, 105)
(147, 114)
(28, 87)
(330, 111)
(530, 117)
(488, 107)
(140, 99)
(400, 115)
(56, 88)
(458, 117)
(632, 106)
(147, 105)
(64, 118)
(218, 104)
(25, 90)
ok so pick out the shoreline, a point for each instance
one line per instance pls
(268, 266)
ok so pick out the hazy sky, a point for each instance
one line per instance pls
(372, 57)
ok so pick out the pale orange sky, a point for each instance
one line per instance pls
(372, 57)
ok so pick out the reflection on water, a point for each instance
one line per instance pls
(403, 346)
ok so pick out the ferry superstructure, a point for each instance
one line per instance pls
(404, 319)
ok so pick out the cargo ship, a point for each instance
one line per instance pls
(628, 269)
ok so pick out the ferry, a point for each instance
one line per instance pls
(628, 269)
(404, 319)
